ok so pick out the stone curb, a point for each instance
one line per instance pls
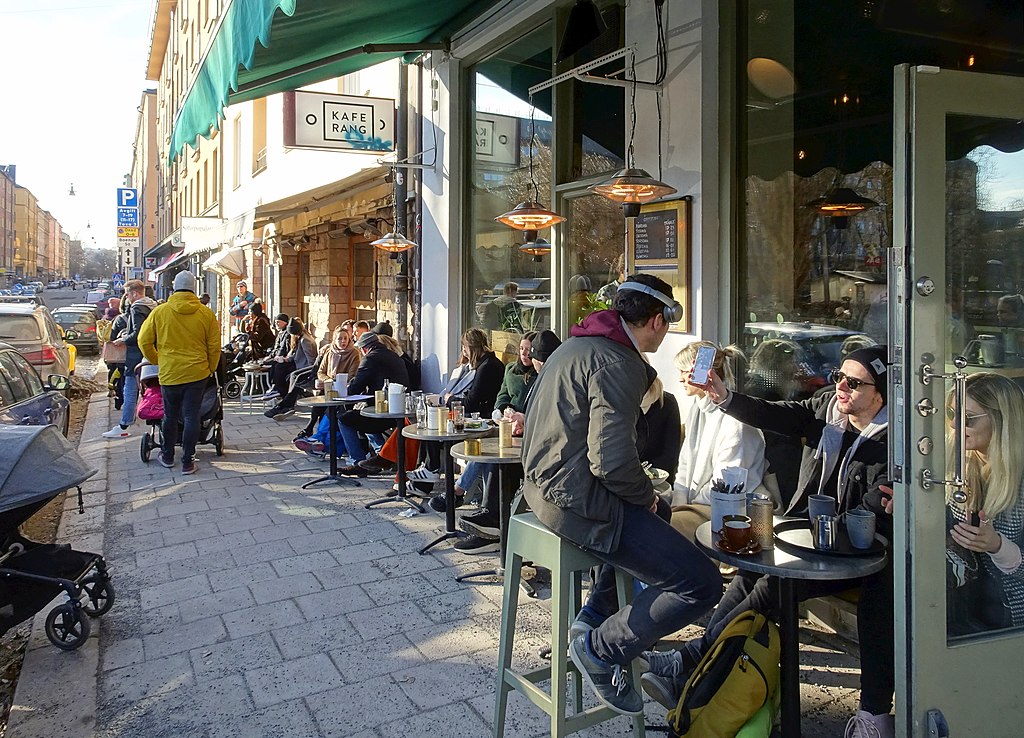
(56, 692)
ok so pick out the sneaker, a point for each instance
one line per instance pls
(866, 725)
(270, 395)
(477, 545)
(661, 689)
(353, 471)
(586, 620)
(662, 663)
(485, 523)
(376, 464)
(310, 446)
(282, 414)
(302, 434)
(118, 432)
(271, 413)
(166, 462)
(439, 504)
(188, 467)
(423, 474)
(609, 682)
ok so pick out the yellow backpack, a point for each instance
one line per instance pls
(737, 679)
(103, 327)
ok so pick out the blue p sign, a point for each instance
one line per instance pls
(127, 197)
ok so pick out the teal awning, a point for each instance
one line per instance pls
(258, 51)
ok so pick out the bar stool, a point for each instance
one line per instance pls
(255, 386)
(531, 540)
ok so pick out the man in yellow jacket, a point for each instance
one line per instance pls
(182, 337)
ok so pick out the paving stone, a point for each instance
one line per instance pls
(282, 531)
(253, 620)
(426, 723)
(137, 682)
(217, 603)
(411, 587)
(402, 616)
(367, 659)
(318, 636)
(225, 543)
(325, 541)
(292, 719)
(245, 523)
(183, 637)
(355, 573)
(344, 712)
(304, 563)
(118, 652)
(273, 590)
(333, 602)
(182, 588)
(234, 657)
(369, 551)
(190, 533)
(241, 576)
(299, 677)
(166, 553)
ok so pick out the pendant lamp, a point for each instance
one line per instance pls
(394, 242)
(839, 204)
(537, 248)
(530, 216)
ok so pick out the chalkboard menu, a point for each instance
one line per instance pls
(656, 233)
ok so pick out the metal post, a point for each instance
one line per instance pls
(401, 190)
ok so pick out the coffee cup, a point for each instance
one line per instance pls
(860, 527)
(823, 528)
(737, 533)
(818, 505)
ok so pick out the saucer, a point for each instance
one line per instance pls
(752, 549)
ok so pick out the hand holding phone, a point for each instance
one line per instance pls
(702, 366)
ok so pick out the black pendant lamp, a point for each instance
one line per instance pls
(537, 248)
(840, 203)
(583, 26)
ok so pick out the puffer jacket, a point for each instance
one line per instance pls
(515, 387)
(580, 445)
(183, 338)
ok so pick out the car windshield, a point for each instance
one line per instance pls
(19, 328)
(73, 318)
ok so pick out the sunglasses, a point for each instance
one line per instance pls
(852, 382)
(969, 420)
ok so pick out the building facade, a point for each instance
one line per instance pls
(8, 203)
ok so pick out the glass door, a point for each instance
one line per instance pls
(957, 335)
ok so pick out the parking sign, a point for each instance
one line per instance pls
(127, 197)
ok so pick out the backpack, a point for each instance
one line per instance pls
(737, 679)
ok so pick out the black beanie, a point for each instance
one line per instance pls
(282, 317)
(873, 358)
(544, 345)
(294, 328)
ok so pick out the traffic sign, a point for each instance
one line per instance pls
(127, 197)
(128, 217)
(124, 232)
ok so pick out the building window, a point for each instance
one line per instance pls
(236, 153)
(259, 135)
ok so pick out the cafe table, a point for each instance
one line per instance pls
(491, 452)
(791, 565)
(331, 406)
(403, 496)
(447, 440)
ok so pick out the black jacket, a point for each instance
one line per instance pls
(805, 420)
(380, 363)
(138, 311)
(490, 373)
(659, 436)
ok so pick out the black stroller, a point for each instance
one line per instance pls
(211, 417)
(233, 357)
(32, 574)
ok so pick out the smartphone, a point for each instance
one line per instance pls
(702, 366)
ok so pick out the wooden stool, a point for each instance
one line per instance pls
(529, 539)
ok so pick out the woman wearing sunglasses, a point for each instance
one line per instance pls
(985, 580)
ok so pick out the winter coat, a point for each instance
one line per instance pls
(239, 310)
(138, 311)
(304, 354)
(261, 335)
(658, 436)
(867, 468)
(480, 396)
(580, 452)
(347, 364)
(379, 364)
(182, 337)
(515, 386)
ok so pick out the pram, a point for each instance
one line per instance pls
(211, 417)
(32, 574)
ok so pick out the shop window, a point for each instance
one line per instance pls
(363, 300)
(259, 135)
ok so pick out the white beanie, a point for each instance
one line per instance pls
(184, 281)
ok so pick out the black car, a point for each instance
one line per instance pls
(25, 399)
(81, 320)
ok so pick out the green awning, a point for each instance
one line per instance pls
(307, 41)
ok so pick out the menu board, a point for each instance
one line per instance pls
(658, 241)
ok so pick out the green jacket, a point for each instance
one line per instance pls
(515, 387)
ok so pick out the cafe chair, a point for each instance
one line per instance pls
(530, 540)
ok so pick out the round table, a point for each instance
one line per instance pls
(255, 385)
(791, 564)
(331, 407)
(446, 440)
(403, 495)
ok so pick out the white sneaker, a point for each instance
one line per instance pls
(866, 725)
(422, 474)
(118, 432)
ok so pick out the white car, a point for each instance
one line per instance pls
(54, 285)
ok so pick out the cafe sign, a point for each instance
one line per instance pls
(320, 120)
(496, 138)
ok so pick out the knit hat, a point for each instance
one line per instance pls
(873, 358)
(256, 309)
(282, 317)
(383, 329)
(366, 340)
(544, 345)
(184, 282)
(293, 327)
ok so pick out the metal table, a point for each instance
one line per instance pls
(255, 385)
(403, 495)
(446, 440)
(791, 565)
(331, 407)
(491, 452)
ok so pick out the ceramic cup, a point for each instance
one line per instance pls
(737, 534)
(818, 505)
(860, 527)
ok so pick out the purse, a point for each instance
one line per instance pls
(114, 353)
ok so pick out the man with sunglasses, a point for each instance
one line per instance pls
(844, 433)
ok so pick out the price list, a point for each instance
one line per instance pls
(656, 237)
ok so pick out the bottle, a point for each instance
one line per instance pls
(421, 412)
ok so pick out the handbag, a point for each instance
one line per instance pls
(114, 353)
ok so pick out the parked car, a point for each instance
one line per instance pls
(25, 298)
(25, 399)
(33, 332)
(81, 320)
(98, 298)
(54, 285)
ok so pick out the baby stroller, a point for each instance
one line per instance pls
(233, 357)
(32, 574)
(211, 414)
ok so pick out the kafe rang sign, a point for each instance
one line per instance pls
(320, 120)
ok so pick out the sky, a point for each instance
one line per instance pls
(73, 73)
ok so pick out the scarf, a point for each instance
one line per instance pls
(336, 355)
(832, 441)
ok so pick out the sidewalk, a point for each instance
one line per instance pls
(247, 606)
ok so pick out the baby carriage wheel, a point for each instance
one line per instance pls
(218, 439)
(232, 389)
(66, 628)
(146, 447)
(99, 596)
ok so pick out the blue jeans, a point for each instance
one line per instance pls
(181, 403)
(474, 470)
(131, 398)
(352, 423)
(683, 584)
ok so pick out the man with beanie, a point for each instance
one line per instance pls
(844, 432)
(139, 308)
(182, 337)
(585, 481)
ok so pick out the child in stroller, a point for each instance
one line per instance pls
(151, 409)
(31, 573)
